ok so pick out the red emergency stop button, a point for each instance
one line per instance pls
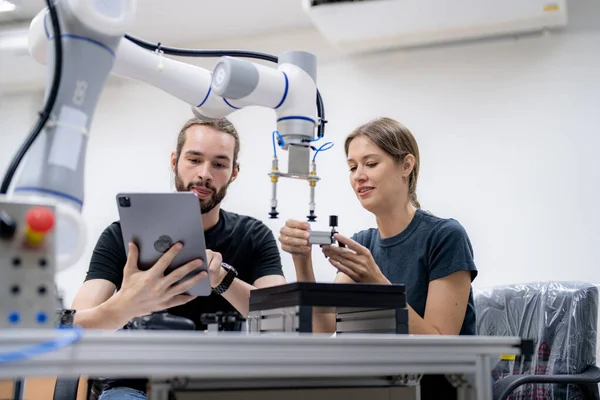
(40, 220)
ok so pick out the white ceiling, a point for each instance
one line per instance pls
(171, 22)
(196, 20)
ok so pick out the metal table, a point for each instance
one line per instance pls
(251, 361)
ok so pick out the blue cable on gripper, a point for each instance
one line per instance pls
(281, 142)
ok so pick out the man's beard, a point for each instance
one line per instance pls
(206, 205)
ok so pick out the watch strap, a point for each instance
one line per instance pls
(227, 280)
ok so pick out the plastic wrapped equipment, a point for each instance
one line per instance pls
(562, 319)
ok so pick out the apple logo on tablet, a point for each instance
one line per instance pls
(163, 243)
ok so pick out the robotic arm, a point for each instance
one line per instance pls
(41, 230)
(95, 45)
(234, 83)
(90, 34)
(291, 91)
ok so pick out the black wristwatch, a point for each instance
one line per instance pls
(226, 282)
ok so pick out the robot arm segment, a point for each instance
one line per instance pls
(187, 82)
(54, 169)
(243, 83)
(234, 83)
(91, 32)
(184, 81)
(102, 23)
(291, 91)
(96, 46)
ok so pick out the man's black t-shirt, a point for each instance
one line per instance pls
(244, 243)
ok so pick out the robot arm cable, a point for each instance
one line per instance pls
(324, 146)
(279, 141)
(45, 113)
(173, 51)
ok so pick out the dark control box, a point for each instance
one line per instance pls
(359, 307)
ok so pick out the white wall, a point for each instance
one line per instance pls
(508, 133)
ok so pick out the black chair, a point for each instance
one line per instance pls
(561, 318)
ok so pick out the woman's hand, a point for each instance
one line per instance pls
(294, 238)
(354, 260)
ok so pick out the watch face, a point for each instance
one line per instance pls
(229, 268)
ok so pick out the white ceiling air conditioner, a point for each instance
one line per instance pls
(357, 26)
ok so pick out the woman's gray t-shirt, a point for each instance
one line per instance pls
(429, 248)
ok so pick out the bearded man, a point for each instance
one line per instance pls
(242, 253)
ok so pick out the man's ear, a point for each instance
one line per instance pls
(235, 172)
(174, 162)
(407, 165)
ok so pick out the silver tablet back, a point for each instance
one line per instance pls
(156, 221)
